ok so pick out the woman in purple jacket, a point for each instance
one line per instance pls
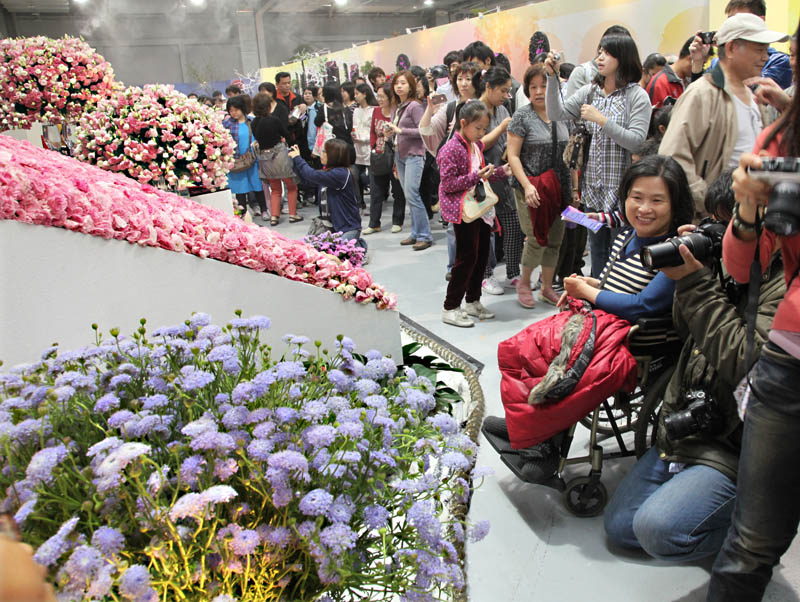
(461, 167)
(409, 155)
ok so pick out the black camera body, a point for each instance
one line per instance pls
(707, 36)
(705, 242)
(701, 415)
(783, 211)
(439, 71)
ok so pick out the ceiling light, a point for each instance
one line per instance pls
(198, 2)
(341, 2)
(80, 1)
(428, 3)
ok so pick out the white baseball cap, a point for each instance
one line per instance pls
(744, 26)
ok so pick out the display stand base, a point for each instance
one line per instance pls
(56, 283)
(33, 135)
(221, 199)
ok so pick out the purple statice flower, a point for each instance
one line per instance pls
(337, 538)
(119, 380)
(199, 344)
(252, 323)
(419, 400)
(223, 353)
(365, 386)
(259, 415)
(106, 403)
(341, 510)
(244, 393)
(375, 401)
(156, 401)
(218, 494)
(479, 530)
(52, 549)
(349, 415)
(191, 469)
(199, 320)
(189, 504)
(260, 449)
(264, 430)
(224, 469)
(204, 424)
(170, 331)
(119, 418)
(223, 598)
(320, 459)
(285, 415)
(213, 441)
(245, 542)
(376, 516)
(157, 383)
(373, 354)
(381, 368)
(291, 462)
(152, 423)
(455, 461)
(321, 435)
(110, 468)
(222, 339)
(463, 443)
(30, 429)
(480, 472)
(421, 516)
(83, 563)
(25, 510)
(339, 380)
(278, 537)
(235, 417)
(314, 410)
(40, 468)
(134, 582)
(192, 378)
(264, 379)
(76, 380)
(101, 583)
(295, 392)
(211, 331)
(347, 456)
(108, 540)
(353, 430)
(64, 393)
(108, 444)
(316, 502)
(444, 422)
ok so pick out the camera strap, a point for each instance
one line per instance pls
(753, 289)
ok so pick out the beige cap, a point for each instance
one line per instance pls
(744, 26)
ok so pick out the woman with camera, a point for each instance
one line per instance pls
(766, 514)
(676, 502)
(616, 112)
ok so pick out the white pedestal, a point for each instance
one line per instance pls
(56, 283)
(221, 199)
(33, 135)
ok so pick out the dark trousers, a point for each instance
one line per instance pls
(570, 255)
(429, 185)
(379, 192)
(600, 248)
(472, 253)
(767, 509)
(363, 181)
(242, 199)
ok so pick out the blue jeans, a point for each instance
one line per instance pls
(675, 517)
(600, 248)
(767, 511)
(409, 171)
(356, 236)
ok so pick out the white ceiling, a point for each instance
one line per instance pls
(36, 6)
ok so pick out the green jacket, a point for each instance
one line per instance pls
(712, 358)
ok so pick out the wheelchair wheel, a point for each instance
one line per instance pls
(625, 421)
(646, 429)
(584, 498)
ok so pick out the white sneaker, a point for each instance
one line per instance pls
(511, 283)
(491, 286)
(477, 310)
(457, 317)
(396, 229)
(368, 231)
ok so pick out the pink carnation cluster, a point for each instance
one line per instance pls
(157, 132)
(47, 80)
(42, 187)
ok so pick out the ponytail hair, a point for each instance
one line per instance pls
(493, 77)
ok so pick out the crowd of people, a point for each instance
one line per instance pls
(647, 147)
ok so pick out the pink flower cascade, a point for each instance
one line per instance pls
(42, 187)
(157, 132)
(47, 80)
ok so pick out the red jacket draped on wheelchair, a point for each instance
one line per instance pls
(578, 358)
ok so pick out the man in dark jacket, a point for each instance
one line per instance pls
(677, 501)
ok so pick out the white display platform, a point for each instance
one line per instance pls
(56, 283)
(33, 135)
(221, 199)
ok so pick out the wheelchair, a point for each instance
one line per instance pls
(637, 411)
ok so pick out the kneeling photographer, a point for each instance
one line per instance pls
(767, 511)
(677, 501)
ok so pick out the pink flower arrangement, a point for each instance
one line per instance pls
(47, 80)
(157, 132)
(42, 187)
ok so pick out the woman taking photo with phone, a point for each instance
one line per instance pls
(617, 112)
(409, 155)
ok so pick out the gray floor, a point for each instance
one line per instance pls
(536, 550)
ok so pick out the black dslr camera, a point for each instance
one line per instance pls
(440, 71)
(701, 415)
(783, 211)
(705, 243)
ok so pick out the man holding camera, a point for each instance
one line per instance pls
(717, 119)
(677, 501)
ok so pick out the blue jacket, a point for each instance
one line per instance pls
(342, 202)
(312, 128)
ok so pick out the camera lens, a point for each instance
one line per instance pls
(783, 212)
(680, 425)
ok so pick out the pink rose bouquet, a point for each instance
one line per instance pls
(46, 188)
(156, 132)
(47, 80)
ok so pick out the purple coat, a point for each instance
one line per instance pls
(456, 176)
